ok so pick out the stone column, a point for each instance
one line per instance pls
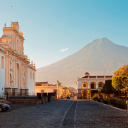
(96, 84)
(21, 76)
(26, 77)
(88, 85)
(14, 73)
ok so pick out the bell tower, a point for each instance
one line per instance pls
(14, 38)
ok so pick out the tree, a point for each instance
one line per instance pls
(108, 88)
(123, 71)
(117, 84)
(125, 86)
(120, 80)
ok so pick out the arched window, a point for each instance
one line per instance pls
(93, 85)
(85, 84)
(100, 84)
(2, 62)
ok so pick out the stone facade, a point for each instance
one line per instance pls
(88, 83)
(19, 72)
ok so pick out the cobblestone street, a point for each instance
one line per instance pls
(64, 114)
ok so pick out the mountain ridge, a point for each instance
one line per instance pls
(99, 57)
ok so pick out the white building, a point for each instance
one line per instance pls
(17, 74)
(88, 83)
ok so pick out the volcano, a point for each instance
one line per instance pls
(99, 57)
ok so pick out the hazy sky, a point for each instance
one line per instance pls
(55, 29)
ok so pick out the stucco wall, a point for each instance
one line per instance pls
(31, 82)
(2, 76)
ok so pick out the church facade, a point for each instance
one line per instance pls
(17, 74)
(88, 84)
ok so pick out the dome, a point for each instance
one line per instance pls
(86, 74)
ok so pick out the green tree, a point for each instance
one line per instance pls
(120, 80)
(108, 88)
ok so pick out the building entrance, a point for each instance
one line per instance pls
(84, 94)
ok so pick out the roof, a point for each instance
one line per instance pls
(41, 83)
(97, 76)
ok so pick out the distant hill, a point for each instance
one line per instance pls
(100, 57)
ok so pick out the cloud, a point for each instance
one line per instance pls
(64, 50)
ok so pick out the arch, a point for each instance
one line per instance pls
(84, 84)
(2, 62)
(84, 94)
(100, 84)
(18, 74)
(92, 85)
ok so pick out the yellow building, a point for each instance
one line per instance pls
(88, 83)
(19, 72)
(48, 89)
(44, 87)
(66, 91)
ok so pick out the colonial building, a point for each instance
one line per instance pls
(17, 74)
(43, 88)
(88, 83)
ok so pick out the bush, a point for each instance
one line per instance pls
(113, 101)
(98, 99)
(101, 99)
(117, 102)
(121, 104)
(105, 101)
(95, 98)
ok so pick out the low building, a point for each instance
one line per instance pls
(88, 83)
(43, 88)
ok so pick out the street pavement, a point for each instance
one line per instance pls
(64, 114)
